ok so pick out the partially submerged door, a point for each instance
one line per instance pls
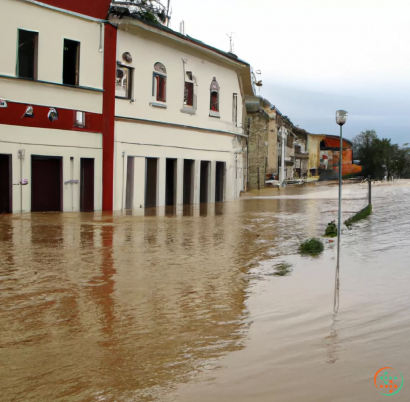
(5, 184)
(220, 182)
(46, 183)
(87, 185)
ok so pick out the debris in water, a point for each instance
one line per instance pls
(331, 230)
(283, 269)
(312, 246)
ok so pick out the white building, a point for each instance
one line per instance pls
(51, 87)
(179, 136)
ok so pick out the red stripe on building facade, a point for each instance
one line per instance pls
(110, 69)
(14, 115)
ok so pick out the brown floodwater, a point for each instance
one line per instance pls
(186, 306)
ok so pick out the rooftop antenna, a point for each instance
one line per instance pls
(231, 45)
(182, 27)
(168, 13)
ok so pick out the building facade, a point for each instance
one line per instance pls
(178, 136)
(99, 114)
(51, 91)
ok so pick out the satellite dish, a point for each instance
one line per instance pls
(52, 114)
(127, 57)
(29, 112)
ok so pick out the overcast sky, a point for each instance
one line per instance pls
(317, 56)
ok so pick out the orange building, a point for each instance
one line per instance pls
(330, 156)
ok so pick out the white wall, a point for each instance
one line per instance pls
(36, 93)
(47, 142)
(53, 27)
(146, 49)
(155, 141)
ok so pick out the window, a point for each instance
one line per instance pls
(189, 90)
(71, 62)
(27, 54)
(123, 82)
(290, 141)
(79, 119)
(189, 94)
(235, 110)
(214, 104)
(159, 86)
(298, 149)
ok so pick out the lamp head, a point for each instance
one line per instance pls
(341, 117)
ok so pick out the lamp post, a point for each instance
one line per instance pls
(282, 178)
(341, 117)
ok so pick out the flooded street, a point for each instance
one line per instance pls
(187, 307)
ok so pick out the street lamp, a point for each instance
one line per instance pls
(341, 117)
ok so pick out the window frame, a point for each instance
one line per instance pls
(235, 109)
(190, 79)
(160, 80)
(77, 67)
(35, 57)
(214, 89)
(79, 123)
(159, 76)
(130, 81)
(191, 94)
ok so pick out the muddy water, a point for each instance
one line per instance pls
(187, 308)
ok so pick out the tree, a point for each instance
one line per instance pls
(379, 157)
(363, 140)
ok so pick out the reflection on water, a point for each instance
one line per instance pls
(115, 307)
(97, 307)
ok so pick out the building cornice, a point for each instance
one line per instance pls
(124, 24)
(76, 87)
(177, 126)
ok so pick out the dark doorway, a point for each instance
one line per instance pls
(27, 54)
(151, 183)
(205, 167)
(46, 183)
(188, 181)
(171, 182)
(71, 62)
(5, 184)
(87, 185)
(220, 181)
(129, 193)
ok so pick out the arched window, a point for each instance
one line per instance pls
(159, 84)
(214, 104)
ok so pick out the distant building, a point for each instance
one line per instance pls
(330, 157)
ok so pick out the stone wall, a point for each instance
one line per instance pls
(314, 152)
(258, 140)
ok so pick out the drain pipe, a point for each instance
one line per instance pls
(123, 175)
(71, 180)
(21, 154)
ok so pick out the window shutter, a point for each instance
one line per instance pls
(164, 88)
(158, 87)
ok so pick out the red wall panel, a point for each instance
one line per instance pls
(13, 115)
(92, 8)
(110, 69)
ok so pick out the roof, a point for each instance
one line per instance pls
(187, 38)
(333, 141)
